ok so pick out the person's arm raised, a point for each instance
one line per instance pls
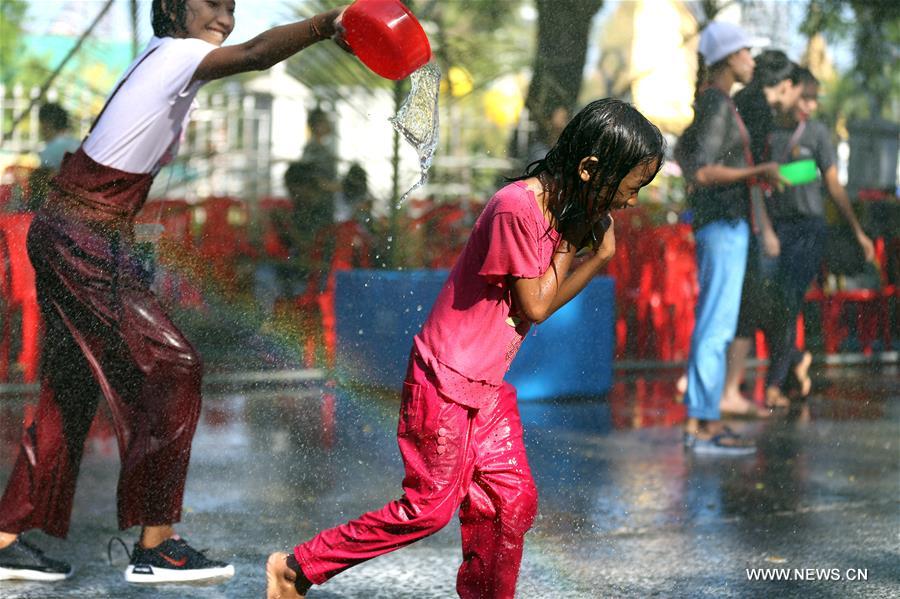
(540, 297)
(269, 47)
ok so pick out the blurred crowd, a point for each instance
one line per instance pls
(282, 253)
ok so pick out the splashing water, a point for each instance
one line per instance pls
(417, 119)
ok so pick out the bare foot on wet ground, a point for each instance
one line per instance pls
(282, 582)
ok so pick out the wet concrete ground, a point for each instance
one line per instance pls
(624, 512)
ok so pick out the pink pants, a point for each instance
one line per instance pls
(455, 457)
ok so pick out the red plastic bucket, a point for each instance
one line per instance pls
(386, 37)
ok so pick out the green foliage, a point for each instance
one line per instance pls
(873, 85)
(12, 14)
(479, 35)
(325, 68)
(487, 38)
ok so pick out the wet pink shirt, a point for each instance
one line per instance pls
(474, 330)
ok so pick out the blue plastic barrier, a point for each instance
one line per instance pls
(379, 311)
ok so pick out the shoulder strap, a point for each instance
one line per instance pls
(119, 86)
(795, 137)
(742, 128)
(754, 188)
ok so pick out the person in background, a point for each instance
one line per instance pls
(459, 431)
(774, 89)
(714, 153)
(774, 300)
(53, 122)
(296, 229)
(319, 153)
(345, 245)
(311, 211)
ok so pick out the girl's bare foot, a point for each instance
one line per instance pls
(282, 581)
(776, 399)
(738, 405)
(681, 388)
(801, 371)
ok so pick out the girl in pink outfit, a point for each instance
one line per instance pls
(459, 432)
(106, 333)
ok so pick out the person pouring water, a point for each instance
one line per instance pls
(106, 332)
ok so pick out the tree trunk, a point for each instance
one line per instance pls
(563, 29)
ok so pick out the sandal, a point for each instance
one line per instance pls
(725, 444)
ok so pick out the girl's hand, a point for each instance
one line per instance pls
(587, 235)
(866, 244)
(770, 171)
(340, 32)
(607, 235)
(603, 249)
(576, 236)
(771, 245)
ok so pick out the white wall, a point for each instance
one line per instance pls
(364, 135)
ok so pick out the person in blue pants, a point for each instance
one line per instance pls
(714, 153)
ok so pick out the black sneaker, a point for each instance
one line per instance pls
(23, 561)
(173, 560)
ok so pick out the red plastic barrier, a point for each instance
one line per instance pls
(272, 212)
(350, 247)
(19, 294)
(872, 310)
(224, 238)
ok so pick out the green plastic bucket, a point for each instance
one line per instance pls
(800, 172)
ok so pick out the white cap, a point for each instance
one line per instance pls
(719, 39)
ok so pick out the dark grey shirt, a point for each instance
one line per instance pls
(801, 200)
(714, 137)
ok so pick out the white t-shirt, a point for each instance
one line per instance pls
(142, 125)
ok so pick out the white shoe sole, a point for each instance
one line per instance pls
(157, 575)
(17, 574)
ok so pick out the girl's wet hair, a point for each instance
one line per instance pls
(805, 76)
(772, 67)
(165, 24)
(614, 133)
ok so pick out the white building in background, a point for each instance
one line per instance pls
(361, 131)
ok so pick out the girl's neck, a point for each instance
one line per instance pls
(723, 80)
(536, 185)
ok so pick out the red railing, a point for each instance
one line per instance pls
(206, 247)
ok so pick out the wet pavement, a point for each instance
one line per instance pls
(624, 512)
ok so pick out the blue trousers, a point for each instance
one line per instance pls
(721, 262)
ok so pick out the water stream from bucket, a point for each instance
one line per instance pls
(417, 119)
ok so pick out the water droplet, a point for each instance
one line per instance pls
(417, 120)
